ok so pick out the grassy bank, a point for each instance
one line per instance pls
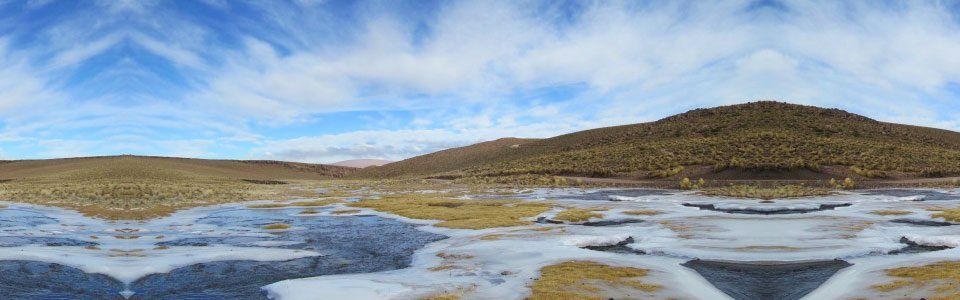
(766, 193)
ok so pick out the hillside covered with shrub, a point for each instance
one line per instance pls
(753, 137)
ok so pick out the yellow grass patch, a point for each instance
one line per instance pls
(642, 212)
(950, 215)
(345, 211)
(277, 226)
(576, 215)
(456, 213)
(586, 280)
(749, 191)
(943, 278)
(891, 212)
(130, 187)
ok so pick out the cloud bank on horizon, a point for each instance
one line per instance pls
(322, 81)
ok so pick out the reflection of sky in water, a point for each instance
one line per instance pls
(223, 252)
(345, 245)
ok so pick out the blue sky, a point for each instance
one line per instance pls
(322, 81)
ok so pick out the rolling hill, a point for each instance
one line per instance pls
(752, 140)
(361, 163)
(135, 187)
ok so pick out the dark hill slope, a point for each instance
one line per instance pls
(758, 136)
(450, 159)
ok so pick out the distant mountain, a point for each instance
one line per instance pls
(745, 139)
(361, 163)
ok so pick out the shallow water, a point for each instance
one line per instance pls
(828, 247)
(344, 245)
(746, 281)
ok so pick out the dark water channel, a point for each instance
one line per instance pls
(354, 244)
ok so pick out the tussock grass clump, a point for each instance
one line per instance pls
(277, 226)
(891, 212)
(749, 191)
(268, 205)
(950, 215)
(585, 280)
(942, 278)
(345, 212)
(456, 213)
(642, 212)
(577, 215)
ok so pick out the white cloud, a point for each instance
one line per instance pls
(466, 72)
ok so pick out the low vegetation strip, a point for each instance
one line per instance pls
(129, 187)
(576, 215)
(456, 213)
(588, 280)
(941, 279)
(748, 191)
(950, 215)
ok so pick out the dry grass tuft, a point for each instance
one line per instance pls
(950, 215)
(277, 226)
(891, 212)
(749, 191)
(577, 215)
(345, 212)
(942, 277)
(643, 212)
(586, 280)
(455, 213)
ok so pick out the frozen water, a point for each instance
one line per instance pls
(839, 246)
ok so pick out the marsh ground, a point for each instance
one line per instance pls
(507, 242)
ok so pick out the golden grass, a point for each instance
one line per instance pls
(129, 187)
(642, 212)
(749, 191)
(277, 226)
(950, 215)
(891, 212)
(345, 211)
(943, 278)
(455, 213)
(576, 215)
(586, 280)
(445, 296)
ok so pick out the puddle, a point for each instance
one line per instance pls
(766, 209)
(355, 244)
(782, 281)
(620, 247)
(914, 248)
(920, 222)
(40, 280)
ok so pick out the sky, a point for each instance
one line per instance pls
(323, 81)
